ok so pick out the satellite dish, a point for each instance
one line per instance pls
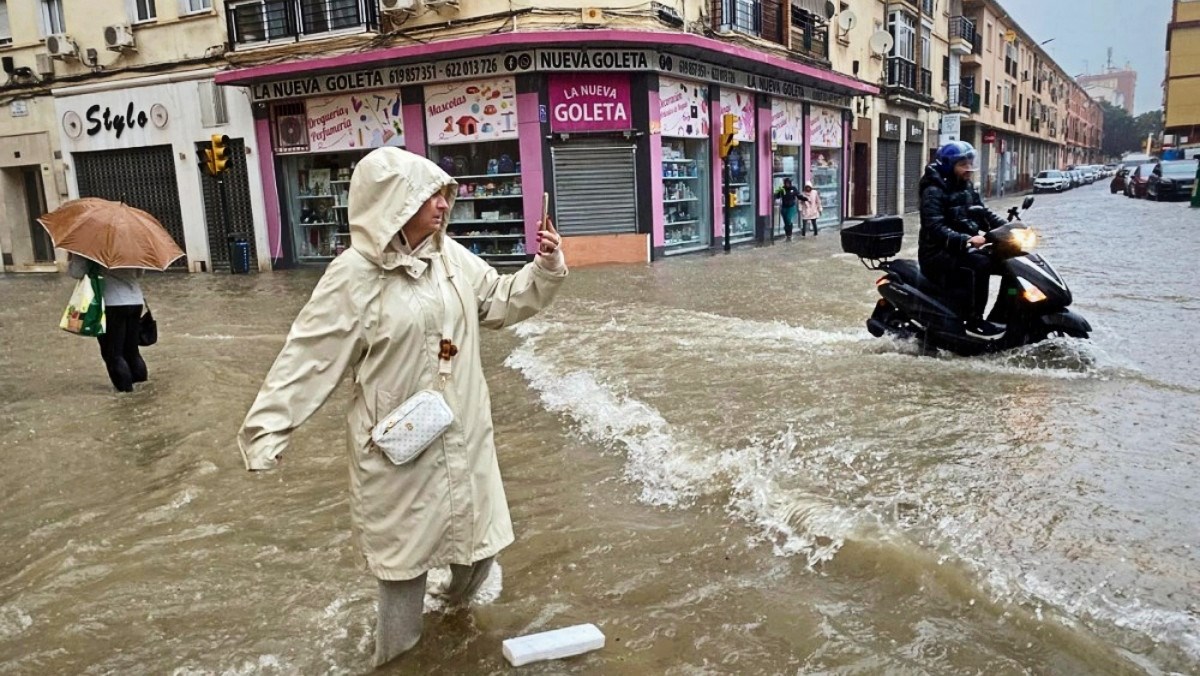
(881, 43)
(830, 10)
(847, 20)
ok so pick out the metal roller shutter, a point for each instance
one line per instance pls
(889, 177)
(140, 177)
(595, 188)
(241, 213)
(913, 162)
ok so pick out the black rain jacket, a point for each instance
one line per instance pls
(945, 225)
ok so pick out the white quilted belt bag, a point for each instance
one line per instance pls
(416, 423)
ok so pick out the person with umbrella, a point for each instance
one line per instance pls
(123, 301)
(117, 243)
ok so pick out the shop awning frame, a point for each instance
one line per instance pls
(684, 44)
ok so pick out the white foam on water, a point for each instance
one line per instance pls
(1181, 629)
(656, 459)
(13, 621)
(793, 522)
(673, 469)
(265, 664)
(762, 477)
(167, 511)
(438, 581)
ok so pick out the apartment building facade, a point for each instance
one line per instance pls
(906, 47)
(111, 99)
(1181, 91)
(615, 112)
(1032, 115)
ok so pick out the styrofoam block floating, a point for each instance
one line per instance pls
(553, 645)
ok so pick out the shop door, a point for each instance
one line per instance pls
(889, 177)
(914, 161)
(862, 179)
(595, 188)
(140, 177)
(241, 214)
(35, 203)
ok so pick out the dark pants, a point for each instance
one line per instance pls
(788, 213)
(119, 346)
(964, 278)
(804, 226)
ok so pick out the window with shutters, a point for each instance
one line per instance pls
(143, 11)
(52, 17)
(903, 28)
(5, 31)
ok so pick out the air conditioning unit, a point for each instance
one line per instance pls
(291, 129)
(119, 37)
(43, 64)
(397, 5)
(61, 46)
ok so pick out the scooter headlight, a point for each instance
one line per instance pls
(1031, 293)
(1025, 239)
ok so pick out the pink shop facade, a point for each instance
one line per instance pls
(621, 133)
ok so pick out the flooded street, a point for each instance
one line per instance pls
(710, 458)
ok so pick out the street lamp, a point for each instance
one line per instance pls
(1043, 42)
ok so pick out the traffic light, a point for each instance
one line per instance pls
(216, 156)
(729, 130)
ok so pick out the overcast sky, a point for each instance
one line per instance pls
(1083, 30)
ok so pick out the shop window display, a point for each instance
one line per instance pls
(685, 195)
(318, 191)
(827, 180)
(785, 163)
(742, 182)
(487, 217)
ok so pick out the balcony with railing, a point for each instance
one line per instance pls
(252, 23)
(974, 57)
(904, 79)
(962, 97)
(962, 35)
(810, 34)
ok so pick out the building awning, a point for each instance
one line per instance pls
(665, 44)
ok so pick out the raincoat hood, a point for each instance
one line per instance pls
(388, 187)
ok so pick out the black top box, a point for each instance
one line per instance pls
(874, 238)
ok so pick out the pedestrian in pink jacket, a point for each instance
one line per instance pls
(810, 210)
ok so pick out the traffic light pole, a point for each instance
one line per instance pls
(226, 214)
(726, 179)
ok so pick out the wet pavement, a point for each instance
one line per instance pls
(708, 457)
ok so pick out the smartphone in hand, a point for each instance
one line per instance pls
(545, 210)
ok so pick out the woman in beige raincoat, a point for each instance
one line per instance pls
(377, 314)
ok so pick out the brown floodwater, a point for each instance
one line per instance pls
(707, 457)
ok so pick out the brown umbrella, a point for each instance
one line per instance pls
(113, 234)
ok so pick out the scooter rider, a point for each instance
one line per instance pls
(950, 239)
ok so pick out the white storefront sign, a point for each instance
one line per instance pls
(132, 115)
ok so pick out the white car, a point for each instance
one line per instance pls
(1051, 181)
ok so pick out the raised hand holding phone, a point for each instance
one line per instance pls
(547, 237)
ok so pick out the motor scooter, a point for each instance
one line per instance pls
(1032, 305)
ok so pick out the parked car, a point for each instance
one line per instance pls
(1076, 178)
(1117, 185)
(1170, 180)
(1136, 185)
(1089, 174)
(1051, 181)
